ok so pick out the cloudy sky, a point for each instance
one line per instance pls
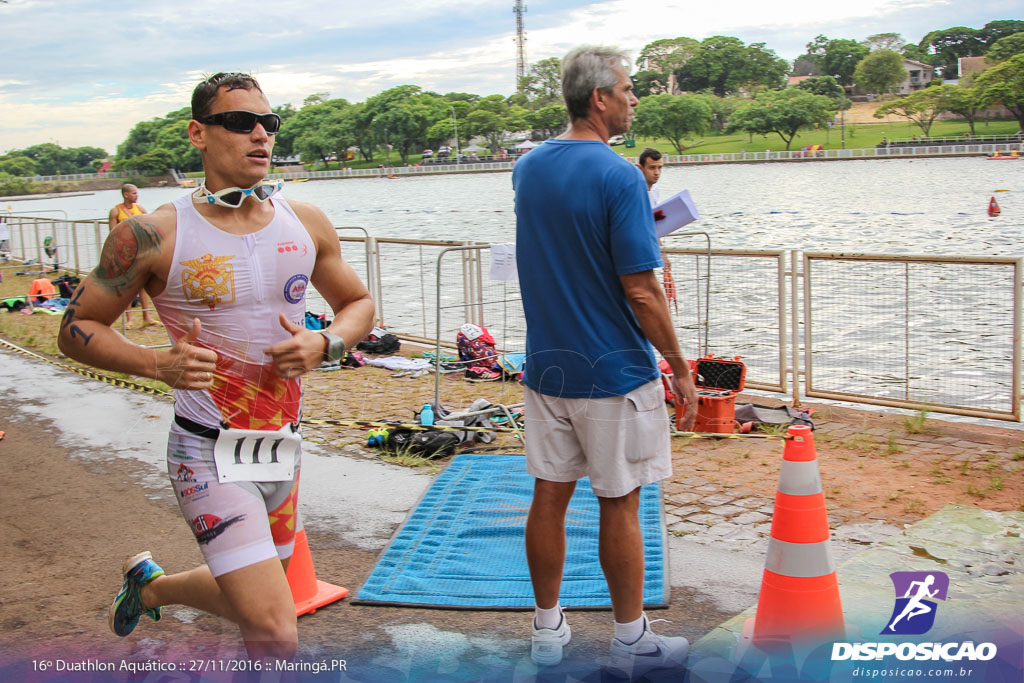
(83, 72)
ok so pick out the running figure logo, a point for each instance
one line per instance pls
(914, 612)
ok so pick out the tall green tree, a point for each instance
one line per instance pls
(658, 60)
(1004, 83)
(673, 117)
(994, 31)
(1005, 47)
(550, 121)
(173, 139)
(321, 130)
(283, 140)
(17, 166)
(948, 45)
(723, 64)
(885, 41)
(921, 106)
(543, 83)
(805, 65)
(837, 56)
(965, 102)
(827, 86)
(783, 112)
(880, 71)
(649, 83)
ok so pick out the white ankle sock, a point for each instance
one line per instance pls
(630, 632)
(548, 618)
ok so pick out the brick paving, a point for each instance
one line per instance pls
(712, 504)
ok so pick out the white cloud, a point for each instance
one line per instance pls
(65, 80)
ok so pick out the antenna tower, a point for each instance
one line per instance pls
(518, 10)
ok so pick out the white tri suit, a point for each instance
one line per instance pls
(236, 285)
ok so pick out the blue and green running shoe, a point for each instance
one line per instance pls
(127, 606)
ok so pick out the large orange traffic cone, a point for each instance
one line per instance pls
(799, 597)
(308, 592)
(993, 207)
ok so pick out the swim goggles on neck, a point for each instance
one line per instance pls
(232, 197)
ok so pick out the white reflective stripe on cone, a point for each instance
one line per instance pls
(799, 478)
(799, 560)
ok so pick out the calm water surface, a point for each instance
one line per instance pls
(930, 206)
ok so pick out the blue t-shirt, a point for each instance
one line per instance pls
(582, 219)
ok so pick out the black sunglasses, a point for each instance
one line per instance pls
(244, 121)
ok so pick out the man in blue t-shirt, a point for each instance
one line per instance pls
(586, 251)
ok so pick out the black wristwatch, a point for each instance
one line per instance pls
(335, 350)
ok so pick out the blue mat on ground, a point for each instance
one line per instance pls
(463, 547)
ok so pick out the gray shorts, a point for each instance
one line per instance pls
(621, 442)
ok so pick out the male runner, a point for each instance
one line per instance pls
(227, 267)
(586, 250)
(122, 212)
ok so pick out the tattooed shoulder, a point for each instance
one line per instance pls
(127, 243)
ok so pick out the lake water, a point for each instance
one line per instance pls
(928, 206)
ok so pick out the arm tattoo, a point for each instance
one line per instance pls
(69, 319)
(117, 268)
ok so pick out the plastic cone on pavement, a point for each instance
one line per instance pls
(308, 592)
(993, 207)
(799, 590)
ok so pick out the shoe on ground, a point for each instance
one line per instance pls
(127, 607)
(546, 646)
(649, 652)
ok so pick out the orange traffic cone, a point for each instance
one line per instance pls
(308, 593)
(993, 207)
(799, 590)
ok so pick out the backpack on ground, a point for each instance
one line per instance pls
(379, 341)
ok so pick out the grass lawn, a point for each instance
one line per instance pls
(857, 136)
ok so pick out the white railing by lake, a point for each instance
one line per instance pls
(903, 330)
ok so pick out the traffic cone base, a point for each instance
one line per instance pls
(308, 592)
(820, 612)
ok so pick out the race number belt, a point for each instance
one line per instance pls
(250, 454)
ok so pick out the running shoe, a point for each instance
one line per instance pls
(547, 644)
(649, 652)
(127, 606)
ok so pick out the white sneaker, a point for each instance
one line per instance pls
(650, 652)
(547, 644)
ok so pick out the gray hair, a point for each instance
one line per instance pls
(585, 68)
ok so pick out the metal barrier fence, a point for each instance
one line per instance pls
(861, 153)
(897, 330)
(909, 331)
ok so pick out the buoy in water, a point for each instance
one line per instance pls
(993, 207)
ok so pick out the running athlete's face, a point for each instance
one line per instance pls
(240, 159)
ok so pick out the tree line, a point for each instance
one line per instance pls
(729, 86)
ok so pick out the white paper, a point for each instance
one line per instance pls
(503, 262)
(254, 455)
(676, 211)
(471, 331)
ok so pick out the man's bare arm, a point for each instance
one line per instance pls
(126, 264)
(646, 298)
(344, 292)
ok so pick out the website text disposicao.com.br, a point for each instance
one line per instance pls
(900, 673)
